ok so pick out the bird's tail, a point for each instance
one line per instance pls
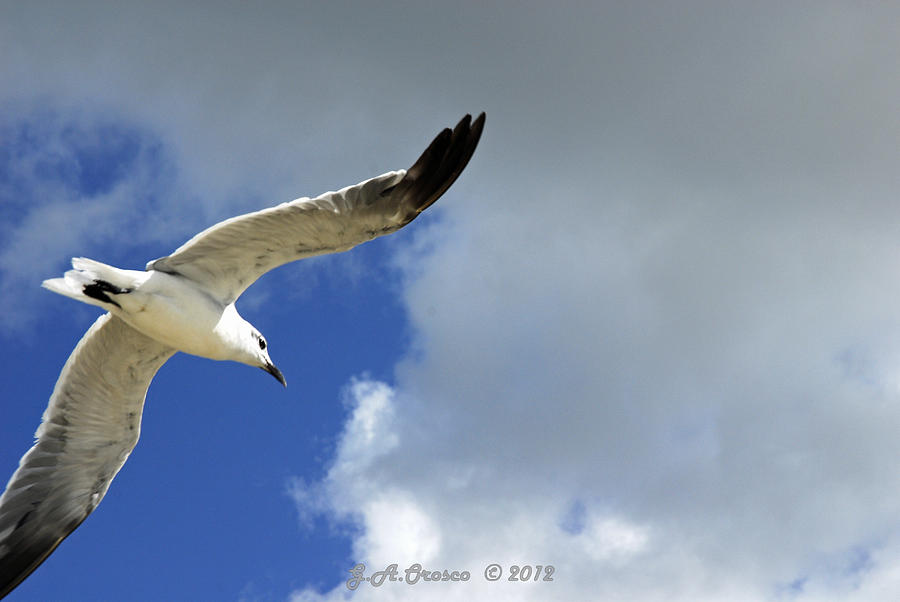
(92, 282)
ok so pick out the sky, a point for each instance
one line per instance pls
(651, 337)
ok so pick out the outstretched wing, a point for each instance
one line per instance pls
(90, 426)
(228, 257)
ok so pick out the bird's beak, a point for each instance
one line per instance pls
(271, 369)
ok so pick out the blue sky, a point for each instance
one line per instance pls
(650, 336)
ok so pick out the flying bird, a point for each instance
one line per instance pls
(183, 302)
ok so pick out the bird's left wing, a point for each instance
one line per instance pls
(90, 426)
(228, 257)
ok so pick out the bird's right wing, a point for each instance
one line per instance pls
(90, 426)
(228, 257)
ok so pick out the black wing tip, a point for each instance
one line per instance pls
(476, 126)
(439, 165)
(30, 543)
(20, 568)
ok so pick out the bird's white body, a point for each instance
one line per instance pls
(170, 309)
(175, 311)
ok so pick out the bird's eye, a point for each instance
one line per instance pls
(262, 343)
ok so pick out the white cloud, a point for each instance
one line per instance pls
(458, 516)
(608, 540)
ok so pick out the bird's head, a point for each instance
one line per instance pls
(245, 343)
(259, 348)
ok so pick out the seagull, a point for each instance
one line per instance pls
(183, 302)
